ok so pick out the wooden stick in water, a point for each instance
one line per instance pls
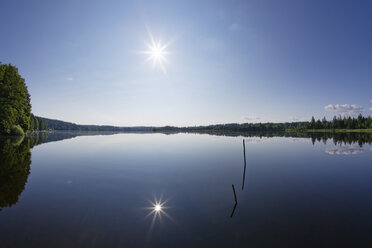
(244, 151)
(245, 165)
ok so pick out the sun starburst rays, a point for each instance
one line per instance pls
(157, 53)
(156, 210)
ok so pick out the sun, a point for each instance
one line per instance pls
(157, 52)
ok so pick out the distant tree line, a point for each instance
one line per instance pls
(234, 127)
(359, 122)
(337, 123)
(68, 126)
(37, 123)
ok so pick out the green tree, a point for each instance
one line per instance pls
(15, 106)
(312, 123)
(325, 123)
(42, 124)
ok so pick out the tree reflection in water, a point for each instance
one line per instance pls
(15, 161)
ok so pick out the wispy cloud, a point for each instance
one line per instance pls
(344, 108)
(252, 118)
(249, 32)
(212, 44)
(291, 118)
(235, 27)
(370, 109)
(69, 78)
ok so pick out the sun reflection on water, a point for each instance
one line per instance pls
(157, 207)
(157, 210)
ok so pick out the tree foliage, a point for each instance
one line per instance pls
(15, 106)
(359, 122)
(62, 125)
(37, 123)
(337, 123)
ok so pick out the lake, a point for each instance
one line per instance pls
(175, 190)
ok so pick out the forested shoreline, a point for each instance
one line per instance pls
(359, 123)
(337, 124)
(16, 117)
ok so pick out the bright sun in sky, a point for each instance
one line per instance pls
(157, 53)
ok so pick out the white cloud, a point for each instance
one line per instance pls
(370, 100)
(370, 109)
(70, 79)
(344, 108)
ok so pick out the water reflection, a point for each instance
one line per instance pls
(157, 207)
(15, 155)
(15, 160)
(233, 211)
(157, 210)
(343, 138)
(336, 137)
(38, 138)
(236, 202)
(344, 150)
(90, 192)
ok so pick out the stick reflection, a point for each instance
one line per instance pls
(236, 201)
(233, 211)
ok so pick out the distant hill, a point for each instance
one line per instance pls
(63, 125)
(344, 124)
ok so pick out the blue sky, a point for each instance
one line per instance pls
(228, 61)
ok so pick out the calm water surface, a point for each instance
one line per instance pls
(100, 191)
